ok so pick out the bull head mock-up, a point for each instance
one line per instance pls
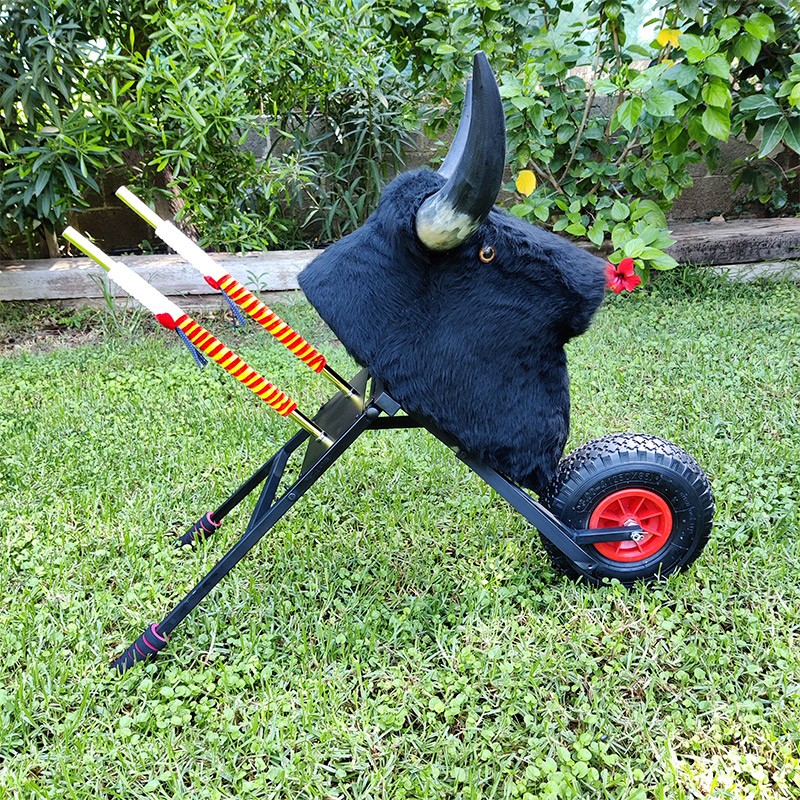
(460, 309)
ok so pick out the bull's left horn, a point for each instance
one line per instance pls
(474, 174)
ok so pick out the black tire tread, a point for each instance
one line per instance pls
(618, 449)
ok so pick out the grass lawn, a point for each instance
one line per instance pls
(401, 633)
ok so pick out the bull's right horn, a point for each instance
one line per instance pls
(473, 167)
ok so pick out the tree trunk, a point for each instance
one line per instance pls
(168, 206)
(50, 239)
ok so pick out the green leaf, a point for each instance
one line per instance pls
(70, 179)
(747, 47)
(604, 86)
(565, 133)
(634, 248)
(756, 101)
(792, 134)
(761, 26)
(295, 10)
(596, 235)
(523, 154)
(698, 48)
(647, 235)
(718, 65)
(659, 104)
(576, 229)
(676, 97)
(767, 112)
(664, 262)
(771, 136)
(794, 97)
(41, 182)
(651, 252)
(195, 116)
(628, 113)
(443, 49)
(717, 123)
(522, 102)
(690, 43)
(682, 74)
(728, 28)
(779, 197)
(679, 145)
(649, 211)
(619, 211)
(695, 55)
(520, 210)
(510, 88)
(717, 94)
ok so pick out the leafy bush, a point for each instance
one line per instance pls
(350, 137)
(49, 148)
(171, 90)
(609, 125)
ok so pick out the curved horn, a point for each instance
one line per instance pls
(459, 140)
(473, 168)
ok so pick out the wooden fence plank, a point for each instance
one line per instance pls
(741, 242)
(71, 278)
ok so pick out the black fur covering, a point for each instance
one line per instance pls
(475, 349)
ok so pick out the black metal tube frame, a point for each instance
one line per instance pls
(349, 423)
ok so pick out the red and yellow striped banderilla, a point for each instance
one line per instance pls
(174, 318)
(219, 279)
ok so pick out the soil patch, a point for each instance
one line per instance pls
(45, 340)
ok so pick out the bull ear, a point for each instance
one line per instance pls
(473, 167)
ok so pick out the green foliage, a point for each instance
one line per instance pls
(758, 91)
(436, 41)
(400, 633)
(177, 99)
(352, 143)
(613, 149)
(172, 89)
(49, 147)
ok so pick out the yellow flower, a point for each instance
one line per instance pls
(669, 36)
(526, 182)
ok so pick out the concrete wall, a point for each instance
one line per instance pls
(712, 193)
(108, 220)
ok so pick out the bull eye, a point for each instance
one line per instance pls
(486, 254)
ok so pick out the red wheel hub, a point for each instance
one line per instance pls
(639, 507)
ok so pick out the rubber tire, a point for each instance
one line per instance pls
(632, 461)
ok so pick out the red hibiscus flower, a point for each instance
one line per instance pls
(622, 277)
